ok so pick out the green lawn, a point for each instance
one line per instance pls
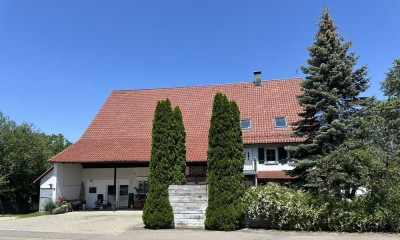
(34, 214)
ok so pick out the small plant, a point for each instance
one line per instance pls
(49, 206)
(69, 206)
(61, 209)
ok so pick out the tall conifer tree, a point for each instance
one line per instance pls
(157, 212)
(224, 167)
(178, 174)
(330, 96)
(391, 84)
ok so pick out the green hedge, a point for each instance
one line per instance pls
(279, 207)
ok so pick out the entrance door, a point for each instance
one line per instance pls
(123, 196)
(110, 195)
(248, 160)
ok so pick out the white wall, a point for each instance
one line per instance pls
(267, 167)
(66, 180)
(103, 177)
(47, 185)
(69, 179)
(48, 179)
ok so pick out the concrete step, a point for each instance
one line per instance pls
(190, 206)
(190, 216)
(189, 223)
(188, 198)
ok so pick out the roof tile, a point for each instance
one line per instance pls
(121, 130)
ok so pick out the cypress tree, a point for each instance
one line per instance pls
(225, 176)
(157, 212)
(178, 174)
(330, 96)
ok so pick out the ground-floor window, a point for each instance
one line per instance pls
(143, 187)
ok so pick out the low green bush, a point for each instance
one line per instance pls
(60, 210)
(282, 208)
(49, 205)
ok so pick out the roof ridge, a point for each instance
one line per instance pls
(209, 85)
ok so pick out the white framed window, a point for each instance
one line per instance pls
(245, 124)
(280, 122)
(143, 187)
(271, 156)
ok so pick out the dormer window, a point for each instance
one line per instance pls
(245, 124)
(280, 122)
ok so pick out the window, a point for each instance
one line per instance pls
(92, 189)
(245, 124)
(143, 187)
(270, 155)
(280, 122)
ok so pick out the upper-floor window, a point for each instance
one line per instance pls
(273, 155)
(270, 155)
(245, 124)
(280, 122)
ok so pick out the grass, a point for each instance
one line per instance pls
(34, 214)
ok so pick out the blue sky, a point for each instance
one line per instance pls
(59, 60)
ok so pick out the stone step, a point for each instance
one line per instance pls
(189, 206)
(184, 193)
(189, 223)
(190, 187)
(189, 216)
(188, 198)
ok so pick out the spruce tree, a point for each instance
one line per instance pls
(157, 212)
(330, 96)
(225, 176)
(178, 174)
(391, 84)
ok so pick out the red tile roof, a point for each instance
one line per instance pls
(121, 130)
(273, 175)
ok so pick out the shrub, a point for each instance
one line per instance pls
(49, 205)
(282, 208)
(60, 210)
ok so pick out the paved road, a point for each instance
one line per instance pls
(123, 225)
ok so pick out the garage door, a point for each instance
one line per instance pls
(46, 194)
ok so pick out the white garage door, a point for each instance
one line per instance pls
(46, 194)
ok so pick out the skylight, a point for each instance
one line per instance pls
(280, 122)
(245, 124)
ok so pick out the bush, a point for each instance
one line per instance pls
(49, 206)
(282, 208)
(60, 210)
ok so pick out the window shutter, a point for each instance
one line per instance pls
(261, 158)
(282, 155)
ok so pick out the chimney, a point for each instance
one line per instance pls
(257, 76)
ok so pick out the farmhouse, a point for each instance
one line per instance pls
(112, 156)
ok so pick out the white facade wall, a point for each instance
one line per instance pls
(47, 189)
(69, 179)
(267, 166)
(101, 178)
(66, 180)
